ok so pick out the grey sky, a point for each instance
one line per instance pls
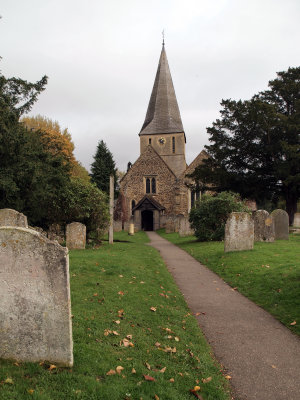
(101, 59)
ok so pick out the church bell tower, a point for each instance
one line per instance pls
(163, 129)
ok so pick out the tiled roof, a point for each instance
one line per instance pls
(149, 199)
(163, 114)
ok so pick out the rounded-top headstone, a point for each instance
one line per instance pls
(263, 227)
(10, 217)
(296, 223)
(281, 224)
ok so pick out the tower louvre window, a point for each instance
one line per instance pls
(173, 144)
(149, 140)
(132, 206)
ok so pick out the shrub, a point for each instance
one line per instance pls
(209, 217)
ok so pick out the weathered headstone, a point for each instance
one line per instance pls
(75, 235)
(35, 308)
(281, 224)
(185, 227)
(9, 217)
(56, 232)
(118, 226)
(263, 227)
(297, 220)
(239, 232)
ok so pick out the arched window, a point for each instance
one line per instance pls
(132, 206)
(173, 144)
(153, 185)
(148, 185)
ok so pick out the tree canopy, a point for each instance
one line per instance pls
(254, 146)
(102, 167)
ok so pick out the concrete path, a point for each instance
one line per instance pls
(260, 354)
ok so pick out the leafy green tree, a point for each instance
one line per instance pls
(102, 167)
(209, 217)
(254, 146)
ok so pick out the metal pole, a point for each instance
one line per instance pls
(111, 210)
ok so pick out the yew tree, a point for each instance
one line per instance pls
(254, 146)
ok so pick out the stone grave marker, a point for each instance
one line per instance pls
(297, 220)
(185, 227)
(75, 235)
(35, 305)
(118, 226)
(9, 217)
(263, 227)
(281, 224)
(239, 232)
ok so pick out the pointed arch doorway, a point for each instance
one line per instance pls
(147, 214)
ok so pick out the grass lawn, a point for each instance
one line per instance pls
(269, 275)
(122, 348)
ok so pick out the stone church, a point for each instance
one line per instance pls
(155, 186)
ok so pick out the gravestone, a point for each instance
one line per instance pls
(263, 227)
(56, 232)
(185, 227)
(9, 217)
(296, 220)
(118, 226)
(75, 235)
(35, 306)
(281, 224)
(239, 232)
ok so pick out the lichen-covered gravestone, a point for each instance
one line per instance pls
(281, 224)
(263, 227)
(76, 235)
(35, 308)
(9, 217)
(239, 232)
(296, 220)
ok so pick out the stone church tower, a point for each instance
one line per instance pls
(155, 187)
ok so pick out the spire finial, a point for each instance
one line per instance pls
(163, 36)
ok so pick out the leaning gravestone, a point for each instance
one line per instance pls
(281, 224)
(35, 307)
(76, 235)
(239, 232)
(296, 220)
(9, 217)
(263, 227)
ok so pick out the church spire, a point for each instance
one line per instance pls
(163, 114)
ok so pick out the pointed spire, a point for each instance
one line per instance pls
(163, 114)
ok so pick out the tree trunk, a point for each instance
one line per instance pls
(291, 205)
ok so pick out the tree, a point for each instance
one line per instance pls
(209, 217)
(254, 146)
(102, 167)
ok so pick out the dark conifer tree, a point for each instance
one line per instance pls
(102, 167)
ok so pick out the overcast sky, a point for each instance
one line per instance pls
(101, 58)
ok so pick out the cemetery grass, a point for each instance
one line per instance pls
(269, 274)
(134, 336)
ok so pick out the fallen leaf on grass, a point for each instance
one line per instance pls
(111, 372)
(228, 377)
(107, 332)
(168, 349)
(129, 337)
(133, 371)
(126, 343)
(156, 397)
(192, 391)
(9, 381)
(115, 333)
(120, 313)
(30, 391)
(149, 378)
(293, 323)
(172, 380)
(117, 322)
(274, 366)
(153, 309)
(196, 388)
(119, 369)
(95, 294)
(52, 366)
(157, 344)
(176, 338)
(206, 380)
(120, 276)
(163, 370)
(148, 366)
(142, 282)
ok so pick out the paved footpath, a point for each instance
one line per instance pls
(260, 354)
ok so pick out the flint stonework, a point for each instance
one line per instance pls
(263, 227)
(281, 224)
(9, 217)
(239, 232)
(35, 306)
(297, 220)
(76, 235)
